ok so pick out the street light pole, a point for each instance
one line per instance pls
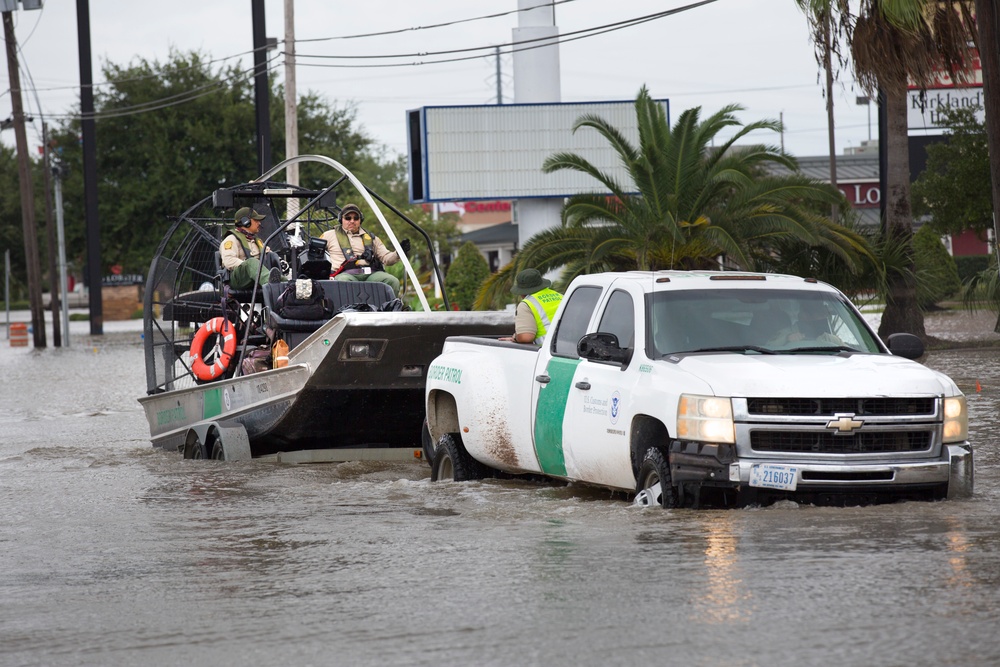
(26, 190)
(57, 172)
(50, 237)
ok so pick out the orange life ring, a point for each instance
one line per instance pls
(226, 332)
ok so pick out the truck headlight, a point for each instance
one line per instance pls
(705, 419)
(956, 419)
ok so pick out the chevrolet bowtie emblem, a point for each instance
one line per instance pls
(845, 423)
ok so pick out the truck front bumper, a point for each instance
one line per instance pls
(717, 465)
(954, 468)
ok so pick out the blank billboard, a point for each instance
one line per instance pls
(497, 151)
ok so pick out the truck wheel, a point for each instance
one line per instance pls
(654, 485)
(452, 462)
(427, 444)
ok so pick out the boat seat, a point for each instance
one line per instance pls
(340, 294)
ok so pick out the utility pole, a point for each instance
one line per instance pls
(89, 134)
(26, 189)
(262, 92)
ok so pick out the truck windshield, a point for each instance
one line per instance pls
(754, 321)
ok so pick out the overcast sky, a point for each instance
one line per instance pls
(755, 53)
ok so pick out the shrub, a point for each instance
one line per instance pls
(466, 275)
(937, 275)
(970, 265)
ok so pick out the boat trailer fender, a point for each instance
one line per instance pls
(226, 441)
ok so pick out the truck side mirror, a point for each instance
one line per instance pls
(906, 345)
(601, 346)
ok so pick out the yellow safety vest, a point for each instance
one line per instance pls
(543, 304)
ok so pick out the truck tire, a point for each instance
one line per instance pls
(426, 444)
(453, 463)
(655, 470)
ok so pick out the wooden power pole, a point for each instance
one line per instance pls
(27, 191)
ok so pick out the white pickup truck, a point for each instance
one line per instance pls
(704, 389)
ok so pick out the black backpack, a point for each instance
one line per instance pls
(315, 306)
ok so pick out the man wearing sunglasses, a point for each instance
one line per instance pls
(356, 255)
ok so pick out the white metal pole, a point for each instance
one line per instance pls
(6, 287)
(63, 279)
(437, 256)
(291, 105)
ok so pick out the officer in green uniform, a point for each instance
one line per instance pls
(535, 312)
(356, 255)
(241, 250)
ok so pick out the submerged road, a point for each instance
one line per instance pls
(113, 553)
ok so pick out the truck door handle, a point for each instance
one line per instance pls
(583, 385)
(544, 379)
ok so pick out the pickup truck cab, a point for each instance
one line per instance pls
(692, 388)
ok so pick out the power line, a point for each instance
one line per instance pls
(116, 82)
(170, 101)
(427, 27)
(190, 95)
(513, 47)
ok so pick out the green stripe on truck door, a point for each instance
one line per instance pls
(549, 414)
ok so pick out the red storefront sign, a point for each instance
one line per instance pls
(862, 195)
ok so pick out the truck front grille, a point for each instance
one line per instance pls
(867, 407)
(824, 442)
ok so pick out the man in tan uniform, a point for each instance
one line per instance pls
(534, 313)
(241, 250)
(356, 255)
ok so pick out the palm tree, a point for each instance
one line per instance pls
(894, 42)
(686, 204)
(828, 21)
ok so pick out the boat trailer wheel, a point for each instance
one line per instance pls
(221, 442)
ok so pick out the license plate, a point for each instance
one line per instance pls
(774, 476)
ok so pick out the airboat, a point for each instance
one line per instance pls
(230, 377)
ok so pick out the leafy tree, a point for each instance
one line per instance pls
(937, 274)
(466, 274)
(11, 229)
(11, 232)
(954, 189)
(693, 204)
(168, 134)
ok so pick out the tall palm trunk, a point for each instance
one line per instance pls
(828, 66)
(901, 310)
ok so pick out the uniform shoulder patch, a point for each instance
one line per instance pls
(228, 245)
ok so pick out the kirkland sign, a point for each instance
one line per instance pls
(923, 110)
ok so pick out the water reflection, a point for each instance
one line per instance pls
(726, 598)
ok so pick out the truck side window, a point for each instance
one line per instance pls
(573, 321)
(619, 319)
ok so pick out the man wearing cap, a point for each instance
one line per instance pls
(535, 312)
(240, 251)
(356, 255)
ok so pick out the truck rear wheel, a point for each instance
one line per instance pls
(654, 485)
(452, 462)
(426, 444)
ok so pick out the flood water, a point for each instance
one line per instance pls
(113, 553)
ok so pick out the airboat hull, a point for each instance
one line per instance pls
(354, 386)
